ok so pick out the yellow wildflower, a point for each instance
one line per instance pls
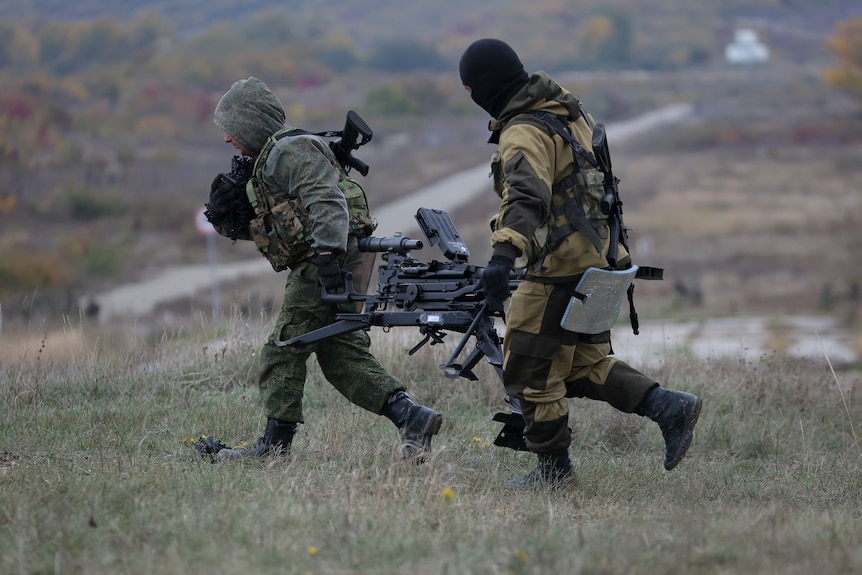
(521, 556)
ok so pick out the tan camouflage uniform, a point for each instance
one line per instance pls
(543, 363)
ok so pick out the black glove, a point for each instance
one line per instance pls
(221, 201)
(329, 272)
(495, 281)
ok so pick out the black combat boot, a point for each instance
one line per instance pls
(416, 425)
(676, 412)
(276, 439)
(552, 471)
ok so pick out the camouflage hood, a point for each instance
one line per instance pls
(250, 113)
(540, 93)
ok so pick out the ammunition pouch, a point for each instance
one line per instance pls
(360, 224)
(283, 234)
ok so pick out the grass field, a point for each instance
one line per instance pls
(97, 475)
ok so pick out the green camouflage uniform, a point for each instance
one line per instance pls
(304, 167)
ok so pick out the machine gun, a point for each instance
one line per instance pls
(435, 297)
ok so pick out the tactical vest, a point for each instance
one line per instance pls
(282, 232)
(575, 198)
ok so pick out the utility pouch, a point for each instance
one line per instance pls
(497, 173)
(360, 224)
(597, 299)
(283, 234)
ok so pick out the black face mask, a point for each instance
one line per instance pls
(494, 74)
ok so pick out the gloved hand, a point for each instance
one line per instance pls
(495, 281)
(221, 200)
(329, 272)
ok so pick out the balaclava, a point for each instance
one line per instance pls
(249, 113)
(494, 73)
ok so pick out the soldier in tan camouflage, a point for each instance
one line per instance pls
(545, 364)
(299, 220)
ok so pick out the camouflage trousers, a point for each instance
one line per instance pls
(545, 364)
(345, 360)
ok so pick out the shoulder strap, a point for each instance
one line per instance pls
(251, 186)
(563, 132)
(300, 132)
(577, 219)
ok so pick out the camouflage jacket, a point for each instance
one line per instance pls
(529, 160)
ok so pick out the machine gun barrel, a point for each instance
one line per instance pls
(398, 244)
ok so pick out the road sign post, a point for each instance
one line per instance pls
(205, 227)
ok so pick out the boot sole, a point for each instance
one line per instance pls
(689, 435)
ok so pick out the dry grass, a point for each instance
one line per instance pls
(96, 476)
(53, 345)
(763, 233)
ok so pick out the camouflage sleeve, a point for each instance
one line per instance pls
(303, 167)
(528, 157)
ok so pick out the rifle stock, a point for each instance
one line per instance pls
(356, 133)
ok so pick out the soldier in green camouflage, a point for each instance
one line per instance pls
(300, 221)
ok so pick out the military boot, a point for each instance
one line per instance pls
(676, 413)
(551, 471)
(416, 425)
(276, 439)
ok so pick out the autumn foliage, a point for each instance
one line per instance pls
(846, 44)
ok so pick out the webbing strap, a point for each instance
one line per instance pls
(574, 212)
(576, 146)
(650, 273)
(300, 132)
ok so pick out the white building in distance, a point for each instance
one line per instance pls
(746, 48)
